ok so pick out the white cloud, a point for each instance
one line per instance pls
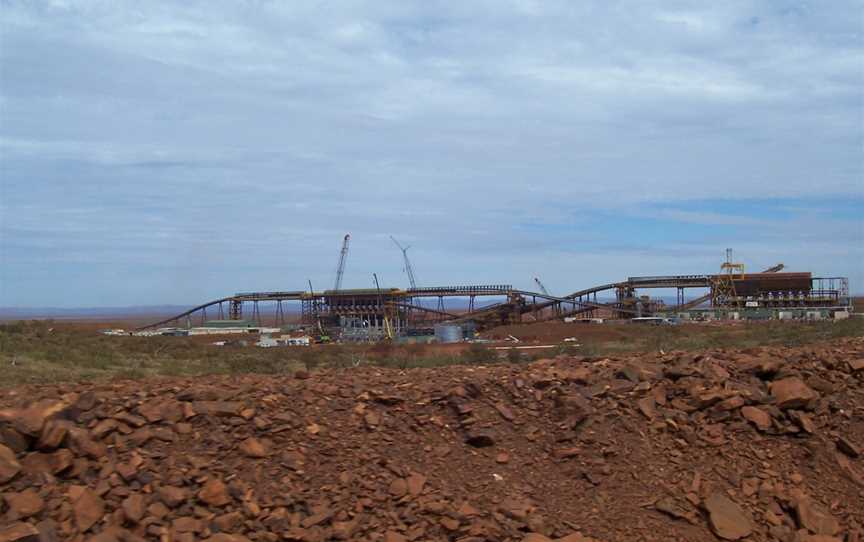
(248, 131)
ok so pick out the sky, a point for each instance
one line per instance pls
(174, 152)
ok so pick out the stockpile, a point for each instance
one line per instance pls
(760, 444)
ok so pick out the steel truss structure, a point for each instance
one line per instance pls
(406, 308)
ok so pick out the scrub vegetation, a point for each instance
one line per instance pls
(42, 351)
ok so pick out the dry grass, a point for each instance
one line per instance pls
(38, 352)
(741, 335)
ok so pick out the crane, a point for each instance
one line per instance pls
(776, 269)
(408, 268)
(340, 269)
(543, 289)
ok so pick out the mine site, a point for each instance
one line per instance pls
(374, 414)
(405, 271)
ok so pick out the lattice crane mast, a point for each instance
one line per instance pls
(543, 289)
(723, 290)
(409, 270)
(340, 269)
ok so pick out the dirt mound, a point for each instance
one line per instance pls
(763, 444)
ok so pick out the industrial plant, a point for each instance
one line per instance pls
(453, 312)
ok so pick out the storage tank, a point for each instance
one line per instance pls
(448, 333)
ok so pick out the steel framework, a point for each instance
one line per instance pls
(402, 308)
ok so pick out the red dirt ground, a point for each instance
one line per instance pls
(761, 444)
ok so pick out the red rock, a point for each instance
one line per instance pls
(672, 508)
(228, 522)
(25, 504)
(450, 524)
(466, 510)
(757, 416)
(815, 518)
(536, 537)
(48, 531)
(172, 496)
(31, 420)
(372, 419)
(14, 440)
(792, 392)
(393, 536)
(88, 508)
(415, 483)
(803, 421)
(857, 364)
(53, 463)
(130, 419)
(127, 471)
(398, 488)
(141, 436)
(705, 398)
(80, 442)
(158, 510)
(726, 518)
(575, 537)
(111, 534)
(186, 525)
(151, 410)
(316, 519)
(573, 409)
(848, 447)
(19, 532)
(134, 507)
(217, 408)
(52, 435)
(736, 401)
(564, 453)
(252, 447)
(214, 493)
(223, 537)
(344, 530)
(9, 466)
(103, 428)
(646, 407)
(505, 412)
(516, 508)
(578, 375)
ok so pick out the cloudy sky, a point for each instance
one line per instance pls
(172, 152)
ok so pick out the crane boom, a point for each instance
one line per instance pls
(409, 269)
(777, 268)
(543, 289)
(340, 269)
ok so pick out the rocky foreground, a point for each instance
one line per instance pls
(762, 444)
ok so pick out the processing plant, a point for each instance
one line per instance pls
(381, 313)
